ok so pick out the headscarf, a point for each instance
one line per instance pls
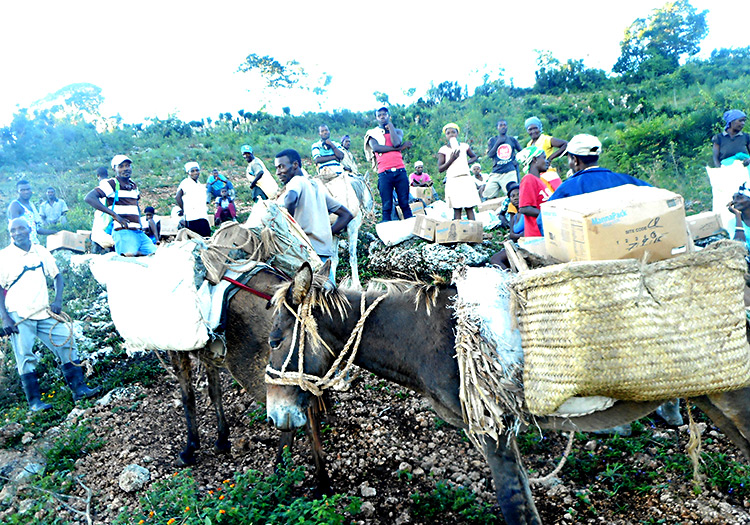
(732, 115)
(531, 121)
(191, 165)
(527, 155)
(451, 125)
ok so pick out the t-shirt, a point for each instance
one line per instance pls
(544, 142)
(731, 146)
(533, 192)
(193, 199)
(505, 158)
(29, 293)
(311, 212)
(422, 179)
(214, 185)
(390, 159)
(460, 166)
(266, 183)
(318, 150)
(127, 201)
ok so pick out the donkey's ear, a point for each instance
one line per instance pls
(301, 284)
(325, 269)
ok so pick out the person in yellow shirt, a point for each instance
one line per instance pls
(262, 183)
(553, 147)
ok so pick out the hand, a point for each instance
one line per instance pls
(406, 145)
(455, 154)
(56, 307)
(252, 185)
(181, 212)
(9, 327)
(120, 220)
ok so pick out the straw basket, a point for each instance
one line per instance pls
(631, 331)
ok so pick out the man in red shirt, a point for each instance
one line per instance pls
(386, 143)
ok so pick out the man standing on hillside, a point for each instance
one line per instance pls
(53, 209)
(310, 204)
(122, 197)
(502, 150)
(327, 153)
(385, 144)
(191, 199)
(261, 182)
(24, 268)
(24, 208)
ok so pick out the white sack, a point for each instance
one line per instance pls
(394, 232)
(725, 182)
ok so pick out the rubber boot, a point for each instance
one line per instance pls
(31, 388)
(620, 430)
(670, 413)
(74, 377)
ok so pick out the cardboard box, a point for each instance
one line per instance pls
(168, 225)
(417, 208)
(458, 231)
(86, 234)
(704, 224)
(422, 192)
(618, 223)
(425, 227)
(65, 240)
(491, 204)
(535, 245)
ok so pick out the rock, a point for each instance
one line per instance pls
(404, 467)
(29, 471)
(27, 438)
(367, 491)
(133, 477)
(26, 505)
(11, 430)
(367, 509)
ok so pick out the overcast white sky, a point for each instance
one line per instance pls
(152, 58)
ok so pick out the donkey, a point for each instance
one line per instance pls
(248, 327)
(408, 338)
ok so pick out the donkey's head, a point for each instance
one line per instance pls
(301, 343)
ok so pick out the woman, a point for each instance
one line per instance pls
(454, 159)
(732, 144)
(552, 146)
(534, 188)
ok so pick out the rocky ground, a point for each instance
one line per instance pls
(384, 444)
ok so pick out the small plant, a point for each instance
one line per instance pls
(70, 447)
(447, 498)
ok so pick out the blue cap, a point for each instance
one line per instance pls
(246, 148)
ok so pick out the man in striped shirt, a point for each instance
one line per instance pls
(122, 197)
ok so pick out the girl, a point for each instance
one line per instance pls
(534, 188)
(460, 189)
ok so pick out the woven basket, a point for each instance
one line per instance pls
(622, 329)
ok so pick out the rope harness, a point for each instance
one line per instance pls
(338, 375)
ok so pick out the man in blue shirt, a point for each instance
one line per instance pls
(327, 153)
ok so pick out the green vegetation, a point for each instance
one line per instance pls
(453, 500)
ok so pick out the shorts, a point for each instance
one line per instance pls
(132, 242)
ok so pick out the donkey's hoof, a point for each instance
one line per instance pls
(223, 447)
(186, 459)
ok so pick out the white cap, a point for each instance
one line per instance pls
(418, 164)
(119, 159)
(584, 146)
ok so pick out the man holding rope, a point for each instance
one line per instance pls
(25, 311)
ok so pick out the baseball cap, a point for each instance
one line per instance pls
(418, 164)
(149, 209)
(584, 145)
(246, 148)
(119, 159)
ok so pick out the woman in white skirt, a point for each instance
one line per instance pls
(460, 189)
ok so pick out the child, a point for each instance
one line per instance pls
(151, 228)
(225, 210)
(460, 189)
(534, 188)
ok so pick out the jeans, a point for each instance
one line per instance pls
(29, 330)
(131, 242)
(388, 181)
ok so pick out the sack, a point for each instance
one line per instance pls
(634, 332)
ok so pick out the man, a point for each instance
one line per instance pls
(385, 145)
(217, 182)
(348, 162)
(502, 150)
(53, 210)
(122, 198)
(309, 204)
(24, 268)
(261, 182)
(190, 199)
(24, 208)
(419, 177)
(326, 153)
(101, 240)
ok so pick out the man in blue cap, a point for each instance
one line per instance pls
(262, 183)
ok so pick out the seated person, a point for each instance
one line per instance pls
(225, 209)
(739, 224)
(732, 144)
(419, 177)
(151, 227)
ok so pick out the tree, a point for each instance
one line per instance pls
(654, 47)
(446, 90)
(554, 77)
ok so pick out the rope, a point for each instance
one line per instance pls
(694, 447)
(62, 317)
(546, 479)
(336, 373)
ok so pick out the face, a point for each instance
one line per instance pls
(738, 124)
(194, 173)
(419, 169)
(346, 143)
(20, 232)
(285, 169)
(502, 127)
(541, 163)
(740, 201)
(50, 194)
(573, 163)
(534, 131)
(382, 117)
(324, 133)
(476, 170)
(450, 133)
(248, 156)
(514, 196)
(24, 192)
(223, 192)
(124, 170)
(149, 216)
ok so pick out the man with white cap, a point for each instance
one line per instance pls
(262, 183)
(121, 203)
(191, 199)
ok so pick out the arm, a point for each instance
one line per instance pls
(256, 179)
(14, 210)
(472, 157)
(152, 229)
(739, 231)
(290, 201)
(530, 211)
(560, 144)
(92, 199)
(382, 148)
(178, 200)
(444, 163)
(717, 164)
(9, 326)
(344, 216)
(492, 147)
(56, 305)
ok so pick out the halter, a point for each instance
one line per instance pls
(338, 376)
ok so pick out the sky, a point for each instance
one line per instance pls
(156, 58)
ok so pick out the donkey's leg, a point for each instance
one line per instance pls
(222, 443)
(184, 371)
(511, 482)
(286, 441)
(313, 429)
(730, 412)
(353, 231)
